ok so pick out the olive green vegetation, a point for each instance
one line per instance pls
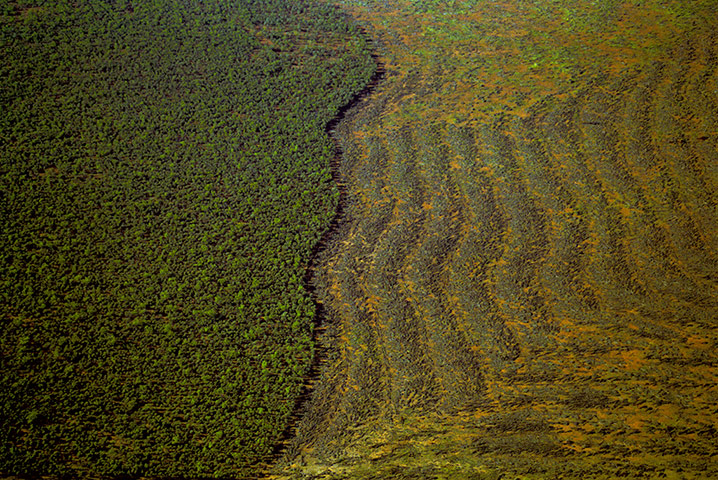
(164, 176)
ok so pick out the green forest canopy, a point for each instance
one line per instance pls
(164, 176)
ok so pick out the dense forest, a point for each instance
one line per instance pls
(164, 177)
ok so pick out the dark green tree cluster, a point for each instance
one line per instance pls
(164, 176)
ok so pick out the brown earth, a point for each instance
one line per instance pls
(525, 278)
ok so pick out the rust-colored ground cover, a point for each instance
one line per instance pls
(524, 277)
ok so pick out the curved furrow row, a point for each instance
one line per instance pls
(455, 364)
(653, 250)
(689, 192)
(479, 248)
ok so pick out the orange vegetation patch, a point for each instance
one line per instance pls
(637, 420)
(698, 342)
(665, 412)
(632, 359)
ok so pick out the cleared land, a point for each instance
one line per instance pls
(524, 279)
